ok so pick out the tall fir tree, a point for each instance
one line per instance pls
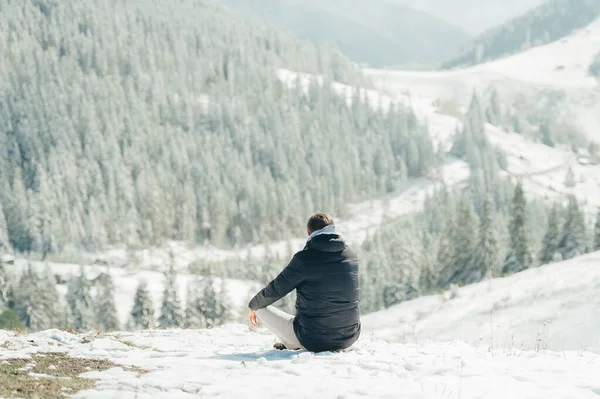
(51, 298)
(207, 301)
(519, 256)
(463, 242)
(3, 287)
(597, 233)
(194, 317)
(80, 304)
(4, 242)
(142, 312)
(223, 313)
(570, 178)
(106, 311)
(31, 303)
(550, 242)
(171, 315)
(486, 260)
(573, 239)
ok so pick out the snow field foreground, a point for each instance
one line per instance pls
(553, 307)
(234, 362)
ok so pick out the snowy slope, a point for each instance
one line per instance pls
(555, 306)
(559, 68)
(233, 362)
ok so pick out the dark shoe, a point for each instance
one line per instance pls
(279, 346)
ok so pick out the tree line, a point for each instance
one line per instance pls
(31, 301)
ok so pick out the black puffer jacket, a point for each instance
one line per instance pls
(325, 276)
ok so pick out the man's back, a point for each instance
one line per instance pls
(327, 305)
(325, 277)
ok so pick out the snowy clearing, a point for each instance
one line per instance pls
(233, 362)
(554, 306)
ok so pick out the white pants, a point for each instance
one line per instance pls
(280, 324)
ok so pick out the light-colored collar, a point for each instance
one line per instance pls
(331, 229)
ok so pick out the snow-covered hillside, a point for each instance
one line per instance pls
(554, 306)
(233, 362)
(561, 67)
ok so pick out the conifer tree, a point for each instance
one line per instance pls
(171, 315)
(464, 241)
(597, 233)
(3, 287)
(208, 301)
(79, 300)
(142, 312)
(51, 298)
(573, 239)
(106, 311)
(223, 312)
(519, 255)
(493, 113)
(4, 243)
(487, 258)
(546, 134)
(194, 317)
(35, 301)
(550, 242)
(570, 178)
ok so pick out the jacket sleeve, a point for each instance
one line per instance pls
(283, 284)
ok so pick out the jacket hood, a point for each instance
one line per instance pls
(326, 240)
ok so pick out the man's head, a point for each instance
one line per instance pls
(318, 221)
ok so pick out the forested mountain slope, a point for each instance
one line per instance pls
(549, 22)
(376, 32)
(137, 121)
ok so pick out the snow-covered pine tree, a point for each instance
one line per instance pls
(486, 259)
(494, 113)
(171, 315)
(106, 311)
(519, 255)
(446, 252)
(142, 313)
(546, 134)
(464, 240)
(223, 311)
(4, 243)
(29, 304)
(550, 242)
(597, 233)
(79, 300)
(208, 301)
(194, 318)
(51, 299)
(3, 287)
(573, 238)
(570, 178)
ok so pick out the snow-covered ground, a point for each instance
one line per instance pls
(233, 362)
(554, 306)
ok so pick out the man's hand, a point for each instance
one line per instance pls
(253, 318)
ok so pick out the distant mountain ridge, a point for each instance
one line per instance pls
(547, 23)
(378, 33)
(474, 16)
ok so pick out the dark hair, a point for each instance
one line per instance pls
(318, 221)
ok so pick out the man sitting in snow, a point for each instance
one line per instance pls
(325, 277)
